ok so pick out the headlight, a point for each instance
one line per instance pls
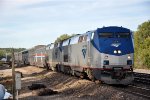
(119, 51)
(115, 51)
(129, 57)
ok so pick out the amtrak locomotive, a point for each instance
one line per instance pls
(104, 54)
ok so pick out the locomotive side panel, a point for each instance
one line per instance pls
(25, 56)
(77, 58)
(56, 57)
(96, 61)
(31, 56)
(50, 60)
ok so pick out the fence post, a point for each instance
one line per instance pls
(13, 75)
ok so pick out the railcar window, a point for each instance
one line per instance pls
(106, 35)
(74, 40)
(65, 43)
(48, 47)
(88, 37)
(85, 38)
(80, 38)
(52, 46)
(56, 44)
(123, 35)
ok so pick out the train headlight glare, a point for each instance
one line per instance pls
(129, 57)
(119, 51)
(115, 51)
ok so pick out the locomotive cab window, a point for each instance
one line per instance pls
(106, 35)
(92, 35)
(123, 35)
(82, 38)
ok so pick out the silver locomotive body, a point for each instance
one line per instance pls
(105, 54)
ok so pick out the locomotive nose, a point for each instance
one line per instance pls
(116, 47)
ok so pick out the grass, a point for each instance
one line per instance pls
(1, 63)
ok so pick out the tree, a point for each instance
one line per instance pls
(142, 46)
(63, 37)
(3, 52)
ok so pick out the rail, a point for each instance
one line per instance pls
(142, 78)
(139, 91)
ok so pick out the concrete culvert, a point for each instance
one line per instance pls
(46, 92)
(36, 86)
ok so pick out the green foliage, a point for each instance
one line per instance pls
(1, 63)
(63, 37)
(18, 49)
(3, 52)
(142, 46)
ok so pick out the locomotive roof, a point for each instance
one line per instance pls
(113, 28)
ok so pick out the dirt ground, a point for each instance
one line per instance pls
(68, 87)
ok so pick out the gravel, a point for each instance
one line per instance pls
(68, 87)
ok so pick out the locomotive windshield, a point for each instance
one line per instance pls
(114, 35)
(106, 35)
(123, 35)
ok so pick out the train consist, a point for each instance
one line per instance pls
(104, 54)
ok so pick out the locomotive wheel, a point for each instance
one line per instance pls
(49, 67)
(58, 68)
(46, 66)
(73, 73)
(67, 69)
(90, 75)
(54, 69)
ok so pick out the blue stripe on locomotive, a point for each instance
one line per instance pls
(104, 45)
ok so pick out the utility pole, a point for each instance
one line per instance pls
(6, 57)
(13, 75)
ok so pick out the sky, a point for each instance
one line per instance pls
(26, 23)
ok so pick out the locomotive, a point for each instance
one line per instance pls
(105, 54)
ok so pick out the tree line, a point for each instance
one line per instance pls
(142, 45)
(8, 51)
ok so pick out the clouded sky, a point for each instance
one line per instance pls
(26, 23)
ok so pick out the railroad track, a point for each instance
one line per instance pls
(142, 78)
(139, 91)
(134, 90)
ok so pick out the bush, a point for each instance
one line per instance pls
(1, 63)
